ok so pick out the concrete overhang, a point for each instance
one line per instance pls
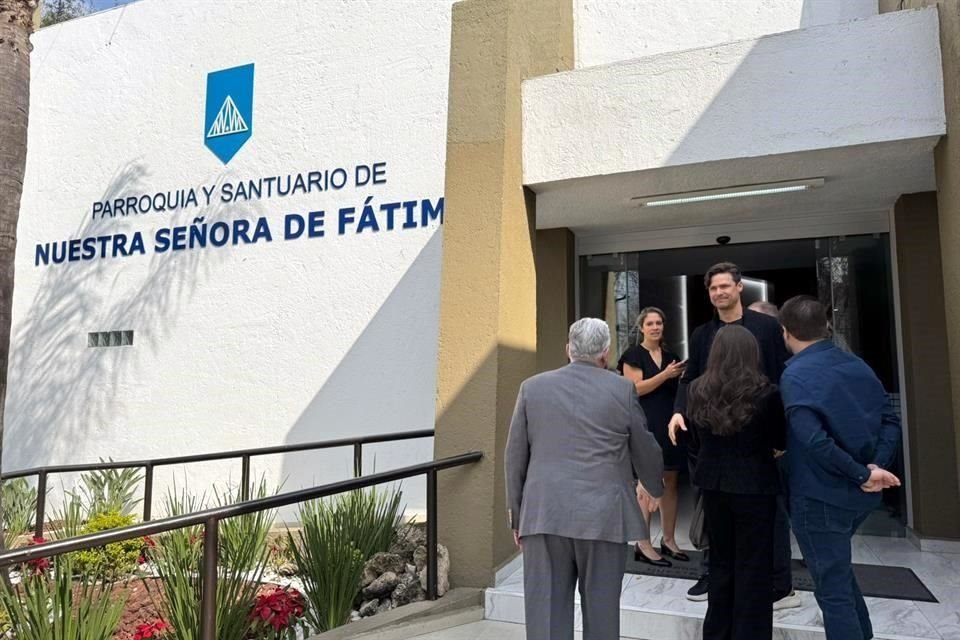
(858, 103)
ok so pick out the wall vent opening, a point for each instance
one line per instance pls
(99, 339)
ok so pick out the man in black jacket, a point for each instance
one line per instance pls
(724, 286)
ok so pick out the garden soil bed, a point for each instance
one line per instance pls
(139, 607)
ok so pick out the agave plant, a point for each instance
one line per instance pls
(337, 537)
(111, 490)
(55, 606)
(19, 510)
(178, 559)
(72, 515)
(235, 533)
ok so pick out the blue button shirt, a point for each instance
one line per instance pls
(839, 420)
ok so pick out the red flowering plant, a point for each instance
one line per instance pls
(37, 566)
(156, 629)
(148, 546)
(277, 614)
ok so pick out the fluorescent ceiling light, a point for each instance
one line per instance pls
(727, 193)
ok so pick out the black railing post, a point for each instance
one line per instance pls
(432, 534)
(147, 492)
(41, 503)
(245, 478)
(208, 596)
(357, 460)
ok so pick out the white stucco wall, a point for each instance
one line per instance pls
(872, 80)
(239, 346)
(611, 30)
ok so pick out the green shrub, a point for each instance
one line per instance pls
(19, 510)
(337, 537)
(113, 560)
(71, 516)
(373, 517)
(55, 607)
(4, 619)
(178, 558)
(111, 490)
(280, 554)
(237, 533)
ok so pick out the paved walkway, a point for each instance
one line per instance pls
(483, 630)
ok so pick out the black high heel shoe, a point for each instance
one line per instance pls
(640, 556)
(680, 556)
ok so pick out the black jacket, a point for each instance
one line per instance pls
(742, 462)
(767, 331)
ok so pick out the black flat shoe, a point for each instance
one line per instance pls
(640, 556)
(676, 555)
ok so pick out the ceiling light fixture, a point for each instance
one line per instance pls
(727, 193)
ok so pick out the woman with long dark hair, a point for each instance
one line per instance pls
(655, 372)
(738, 423)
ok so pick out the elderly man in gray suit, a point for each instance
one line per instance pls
(577, 438)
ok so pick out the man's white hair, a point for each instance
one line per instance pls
(588, 339)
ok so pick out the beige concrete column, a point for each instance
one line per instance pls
(488, 309)
(927, 386)
(556, 257)
(947, 156)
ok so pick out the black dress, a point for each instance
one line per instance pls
(658, 405)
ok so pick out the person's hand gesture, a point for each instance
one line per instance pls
(517, 540)
(674, 370)
(676, 423)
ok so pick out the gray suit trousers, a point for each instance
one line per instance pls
(552, 565)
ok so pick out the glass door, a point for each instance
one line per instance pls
(851, 275)
(854, 282)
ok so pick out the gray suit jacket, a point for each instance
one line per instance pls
(576, 434)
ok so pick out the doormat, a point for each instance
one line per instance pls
(892, 583)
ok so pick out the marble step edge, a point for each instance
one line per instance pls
(658, 624)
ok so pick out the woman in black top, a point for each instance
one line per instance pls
(738, 422)
(655, 372)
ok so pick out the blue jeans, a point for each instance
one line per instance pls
(823, 532)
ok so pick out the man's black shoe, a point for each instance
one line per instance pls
(698, 592)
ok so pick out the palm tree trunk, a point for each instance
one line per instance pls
(16, 23)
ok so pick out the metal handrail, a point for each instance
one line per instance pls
(245, 456)
(210, 519)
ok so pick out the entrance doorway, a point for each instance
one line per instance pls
(851, 275)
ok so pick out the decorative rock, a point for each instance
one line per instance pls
(408, 539)
(369, 608)
(382, 563)
(420, 558)
(287, 569)
(382, 585)
(359, 600)
(369, 575)
(417, 534)
(407, 592)
(443, 569)
(399, 577)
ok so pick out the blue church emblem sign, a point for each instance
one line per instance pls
(229, 111)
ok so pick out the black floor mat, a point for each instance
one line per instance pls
(893, 583)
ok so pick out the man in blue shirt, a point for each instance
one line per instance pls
(841, 435)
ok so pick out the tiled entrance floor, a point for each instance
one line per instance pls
(655, 608)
